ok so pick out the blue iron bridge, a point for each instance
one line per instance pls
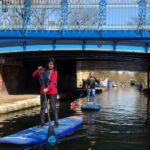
(66, 25)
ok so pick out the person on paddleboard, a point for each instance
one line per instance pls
(90, 85)
(48, 82)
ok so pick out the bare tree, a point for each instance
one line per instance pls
(39, 13)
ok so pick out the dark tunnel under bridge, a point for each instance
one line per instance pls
(16, 68)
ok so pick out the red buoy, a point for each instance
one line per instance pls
(73, 105)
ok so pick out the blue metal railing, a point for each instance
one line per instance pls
(75, 14)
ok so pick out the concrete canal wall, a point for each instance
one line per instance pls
(19, 105)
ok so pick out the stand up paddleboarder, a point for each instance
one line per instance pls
(90, 85)
(49, 77)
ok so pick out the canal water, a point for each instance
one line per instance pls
(123, 123)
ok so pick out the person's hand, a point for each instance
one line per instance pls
(40, 67)
(45, 90)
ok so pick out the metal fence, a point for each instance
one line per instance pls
(75, 14)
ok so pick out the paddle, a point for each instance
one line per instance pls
(52, 139)
(73, 104)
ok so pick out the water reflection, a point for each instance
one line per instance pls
(91, 127)
(16, 121)
(147, 121)
(42, 147)
(123, 123)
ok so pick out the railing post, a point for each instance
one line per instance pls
(142, 16)
(26, 16)
(148, 79)
(64, 16)
(102, 15)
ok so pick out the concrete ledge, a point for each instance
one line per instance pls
(19, 105)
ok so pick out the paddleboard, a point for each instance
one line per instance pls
(36, 134)
(91, 106)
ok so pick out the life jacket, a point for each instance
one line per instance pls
(91, 82)
(44, 78)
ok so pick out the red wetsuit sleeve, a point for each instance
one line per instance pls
(36, 73)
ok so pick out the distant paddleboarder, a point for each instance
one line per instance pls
(90, 85)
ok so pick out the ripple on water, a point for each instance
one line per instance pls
(122, 124)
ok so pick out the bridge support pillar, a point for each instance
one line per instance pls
(67, 75)
(3, 89)
(11, 76)
(148, 79)
(1, 80)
